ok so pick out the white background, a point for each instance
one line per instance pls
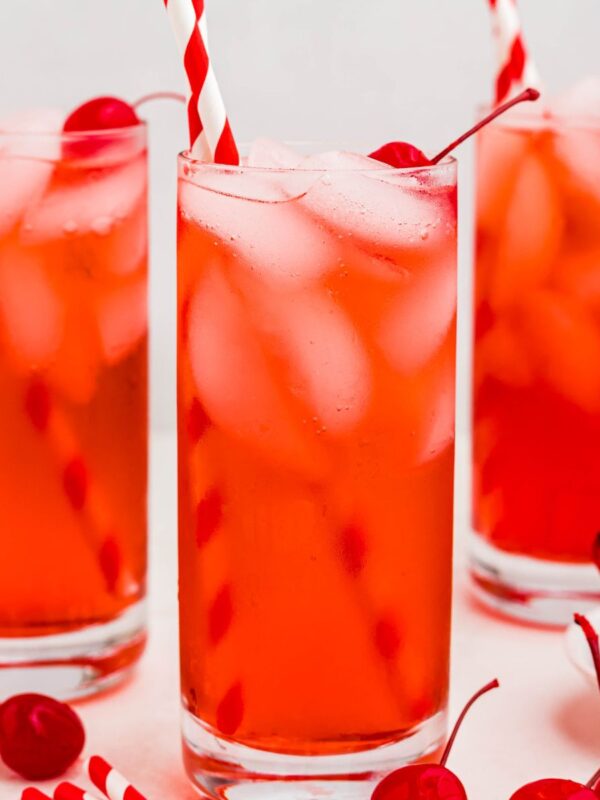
(363, 71)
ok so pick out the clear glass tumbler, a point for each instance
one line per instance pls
(316, 378)
(73, 408)
(536, 408)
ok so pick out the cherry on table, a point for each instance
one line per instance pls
(429, 781)
(40, 737)
(558, 788)
(405, 155)
(554, 789)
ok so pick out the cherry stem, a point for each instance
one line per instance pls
(592, 639)
(148, 98)
(591, 784)
(526, 96)
(487, 688)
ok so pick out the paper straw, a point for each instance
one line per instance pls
(83, 494)
(31, 793)
(210, 133)
(516, 69)
(68, 791)
(110, 782)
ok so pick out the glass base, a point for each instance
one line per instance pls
(72, 665)
(530, 589)
(222, 769)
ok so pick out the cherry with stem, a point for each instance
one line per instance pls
(429, 781)
(403, 154)
(559, 788)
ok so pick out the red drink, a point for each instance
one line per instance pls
(316, 445)
(537, 366)
(73, 402)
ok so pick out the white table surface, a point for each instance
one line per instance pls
(545, 721)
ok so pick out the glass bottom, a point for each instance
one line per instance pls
(222, 769)
(530, 589)
(77, 664)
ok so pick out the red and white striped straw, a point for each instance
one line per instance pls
(68, 791)
(110, 782)
(31, 793)
(516, 69)
(211, 138)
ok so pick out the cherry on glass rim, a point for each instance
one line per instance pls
(559, 788)
(429, 781)
(405, 155)
(40, 737)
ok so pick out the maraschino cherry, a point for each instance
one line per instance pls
(404, 155)
(558, 788)
(40, 737)
(429, 781)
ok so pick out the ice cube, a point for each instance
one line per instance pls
(92, 205)
(27, 160)
(578, 273)
(271, 154)
(236, 384)
(419, 317)
(531, 236)
(123, 320)
(576, 151)
(499, 155)
(563, 340)
(31, 313)
(328, 365)
(274, 239)
(360, 198)
(438, 431)
(580, 100)
(500, 354)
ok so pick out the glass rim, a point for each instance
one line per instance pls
(125, 132)
(539, 119)
(185, 157)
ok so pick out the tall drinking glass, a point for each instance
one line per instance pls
(316, 445)
(73, 407)
(536, 410)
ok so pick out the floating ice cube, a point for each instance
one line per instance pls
(27, 161)
(328, 365)
(274, 239)
(235, 382)
(531, 237)
(578, 273)
(563, 340)
(377, 207)
(580, 100)
(419, 317)
(31, 313)
(438, 432)
(271, 154)
(123, 320)
(500, 151)
(92, 205)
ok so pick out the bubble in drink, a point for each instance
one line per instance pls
(26, 161)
